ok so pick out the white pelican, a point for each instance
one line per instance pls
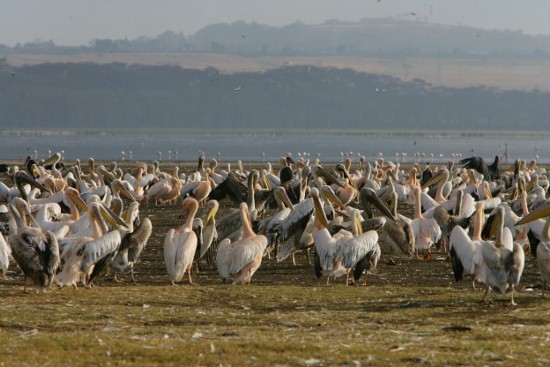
(133, 242)
(443, 184)
(426, 230)
(180, 245)
(447, 221)
(298, 224)
(541, 250)
(165, 190)
(86, 256)
(327, 246)
(61, 226)
(22, 188)
(203, 189)
(209, 232)
(361, 252)
(241, 258)
(5, 252)
(504, 261)
(36, 251)
(267, 225)
(499, 263)
(465, 252)
(399, 235)
(216, 177)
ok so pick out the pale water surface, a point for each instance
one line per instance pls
(328, 146)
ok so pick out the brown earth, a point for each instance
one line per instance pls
(407, 272)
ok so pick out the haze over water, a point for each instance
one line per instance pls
(257, 146)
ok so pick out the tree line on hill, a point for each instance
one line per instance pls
(81, 95)
(373, 37)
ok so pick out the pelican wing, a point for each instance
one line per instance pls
(179, 250)
(400, 236)
(245, 251)
(137, 240)
(5, 252)
(297, 219)
(463, 252)
(325, 248)
(96, 250)
(508, 239)
(37, 254)
(496, 275)
(543, 260)
(426, 232)
(71, 256)
(51, 256)
(159, 189)
(233, 187)
(515, 264)
(223, 259)
(354, 249)
(368, 262)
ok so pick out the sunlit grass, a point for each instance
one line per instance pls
(266, 324)
(411, 313)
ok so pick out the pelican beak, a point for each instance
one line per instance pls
(370, 195)
(320, 217)
(266, 181)
(289, 161)
(54, 158)
(432, 181)
(331, 196)
(521, 185)
(35, 171)
(109, 177)
(541, 212)
(530, 185)
(211, 213)
(77, 200)
(110, 217)
(22, 178)
(472, 177)
(329, 179)
(358, 224)
(487, 192)
(122, 190)
(344, 171)
(281, 194)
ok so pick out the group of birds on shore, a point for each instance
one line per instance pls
(66, 224)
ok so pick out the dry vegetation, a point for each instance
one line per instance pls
(521, 74)
(410, 313)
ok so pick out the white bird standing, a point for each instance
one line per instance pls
(426, 230)
(85, 256)
(241, 258)
(504, 261)
(541, 250)
(465, 252)
(133, 242)
(180, 245)
(361, 252)
(36, 251)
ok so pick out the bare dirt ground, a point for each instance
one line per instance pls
(411, 313)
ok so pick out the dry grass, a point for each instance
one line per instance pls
(411, 313)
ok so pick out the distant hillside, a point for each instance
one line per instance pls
(130, 96)
(454, 56)
(373, 37)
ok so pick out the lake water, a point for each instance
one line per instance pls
(328, 146)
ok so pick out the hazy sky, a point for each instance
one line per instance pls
(76, 22)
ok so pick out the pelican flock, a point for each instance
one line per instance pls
(68, 225)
